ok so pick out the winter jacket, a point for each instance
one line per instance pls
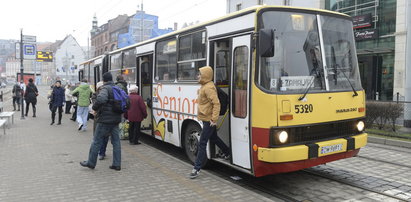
(84, 94)
(208, 103)
(122, 85)
(137, 110)
(67, 94)
(57, 97)
(17, 91)
(31, 93)
(104, 107)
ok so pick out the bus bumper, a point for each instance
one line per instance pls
(311, 151)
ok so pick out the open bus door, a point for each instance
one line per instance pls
(81, 75)
(239, 107)
(145, 84)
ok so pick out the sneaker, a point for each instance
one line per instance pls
(117, 168)
(194, 173)
(101, 157)
(80, 126)
(85, 164)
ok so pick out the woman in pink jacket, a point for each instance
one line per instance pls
(135, 114)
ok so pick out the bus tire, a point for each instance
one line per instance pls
(191, 141)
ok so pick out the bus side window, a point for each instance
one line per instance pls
(222, 67)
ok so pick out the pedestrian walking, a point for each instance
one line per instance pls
(208, 111)
(84, 95)
(102, 152)
(107, 124)
(57, 100)
(69, 97)
(17, 94)
(30, 95)
(135, 114)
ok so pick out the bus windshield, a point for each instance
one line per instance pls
(302, 61)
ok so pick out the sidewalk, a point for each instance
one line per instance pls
(40, 162)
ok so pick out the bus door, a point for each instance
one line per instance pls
(145, 84)
(81, 74)
(97, 74)
(239, 107)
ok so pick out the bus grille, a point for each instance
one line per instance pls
(315, 133)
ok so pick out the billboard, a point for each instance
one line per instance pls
(44, 56)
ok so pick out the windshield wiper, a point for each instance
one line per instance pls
(352, 87)
(307, 89)
(314, 70)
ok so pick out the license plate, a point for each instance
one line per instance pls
(331, 148)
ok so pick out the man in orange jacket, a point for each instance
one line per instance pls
(208, 112)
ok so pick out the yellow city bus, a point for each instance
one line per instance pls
(292, 78)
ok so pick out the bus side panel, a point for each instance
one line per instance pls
(172, 103)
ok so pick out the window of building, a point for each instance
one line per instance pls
(166, 60)
(238, 7)
(260, 2)
(192, 55)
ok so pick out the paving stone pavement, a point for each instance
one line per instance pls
(39, 162)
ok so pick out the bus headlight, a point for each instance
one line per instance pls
(282, 136)
(360, 126)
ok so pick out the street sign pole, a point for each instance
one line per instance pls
(21, 72)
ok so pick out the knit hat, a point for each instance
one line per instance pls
(107, 77)
(99, 84)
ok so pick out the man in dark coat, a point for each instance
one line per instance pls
(57, 102)
(135, 114)
(31, 96)
(107, 124)
(121, 83)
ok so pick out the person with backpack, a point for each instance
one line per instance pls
(121, 83)
(57, 99)
(135, 114)
(17, 93)
(208, 111)
(107, 124)
(84, 94)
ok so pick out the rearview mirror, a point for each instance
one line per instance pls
(266, 42)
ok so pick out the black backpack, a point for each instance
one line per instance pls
(223, 97)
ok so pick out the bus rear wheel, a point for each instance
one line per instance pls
(191, 141)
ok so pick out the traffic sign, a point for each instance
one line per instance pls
(28, 38)
(29, 51)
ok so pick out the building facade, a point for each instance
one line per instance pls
(68, 56)
(142, 26)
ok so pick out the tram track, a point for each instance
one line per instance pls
(275, 187)
(341, 181)
(384, 161)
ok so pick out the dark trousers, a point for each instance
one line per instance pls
(53, 113)
(68, 107)
(134, 131)
(103, 147)
(74, 117)
(27, 108)
(16, 100)
(208, 133)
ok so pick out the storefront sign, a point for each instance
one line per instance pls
(366, 34)
(362, 21)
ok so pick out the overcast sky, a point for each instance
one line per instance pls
(52, 20)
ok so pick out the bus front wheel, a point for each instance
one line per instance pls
(191, 141)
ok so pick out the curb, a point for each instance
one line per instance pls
(389, 142)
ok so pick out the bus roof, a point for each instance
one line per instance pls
(91, 60)
(226, 17)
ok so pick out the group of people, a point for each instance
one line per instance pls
(29, 93)
(107, 120)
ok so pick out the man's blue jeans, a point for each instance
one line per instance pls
(103, 148)
(208, 133)
(103, 129)
(82, 114)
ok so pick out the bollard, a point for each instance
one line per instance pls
(1, 96)
(398, 97)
